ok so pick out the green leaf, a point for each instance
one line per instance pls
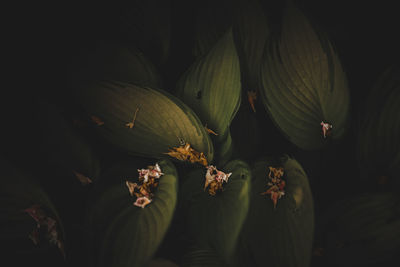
(215, 221)
(115, 61)
(213, 19)
(122, 234)
(198, 257)
(379, 130)
(18, 192)
(282, 236)
(362, 230)
(161, 119)
(62, 146)
(211, 87)
(303, 83)
(251, 33)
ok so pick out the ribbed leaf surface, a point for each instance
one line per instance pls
(17, 193)
(213, 19)
(201, 258)
(304, 83)
(215, 221)
(161, 119)
(211, 86)
(363, 231)
(379, 131)
(116, 61)
(282, 236)
(251, 33)
(122, 234)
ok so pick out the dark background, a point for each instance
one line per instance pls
(44, 39)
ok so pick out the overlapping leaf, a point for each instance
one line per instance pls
(251, 33)
(160, 122)
(122, 234)
(116, 61)
(379, 131)
(363, 230)
(62, 147)
(215, 221)
(303, 83)
(213, 19)
(212, 88)
(201, 257)
(281, 236)
(19, 192)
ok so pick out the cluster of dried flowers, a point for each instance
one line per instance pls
(215, 180)
(214, 177)
(276, 184)
(187, 153)
(45, 226)
(148, 181)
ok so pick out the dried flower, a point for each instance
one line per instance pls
(276, 184)
(144, 191)
(215, 179)
(326, 129)
(186, 153)
(47, 223)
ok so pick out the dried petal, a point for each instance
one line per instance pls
(97, 120)
(186, 153)
(252, 96)
(326, 129)
(131, 187)
(82, 178)
(142, 202)
(209, 130)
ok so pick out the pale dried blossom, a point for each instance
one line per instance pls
(215, 179)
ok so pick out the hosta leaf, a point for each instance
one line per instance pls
(303, 83)
(379, 131)
(211, 86)
(160, 122)
(122, 234)
(280, 236)
(363, 230)
(61, 146)
(198, 257)
(147, 25)
(213, 19)
(116, 61)
(18, 192)
(215, 221)
(251, 32)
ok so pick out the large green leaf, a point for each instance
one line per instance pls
(303, 83)
(115, 61)
(121, 234)
(198, 257)
(213, 19)
(63, 147)
(18, 191)
(215, 222)
(379, 130)
(211, 86)
(363, 230)
(251, 32)
(161, 119)
(281, 236)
